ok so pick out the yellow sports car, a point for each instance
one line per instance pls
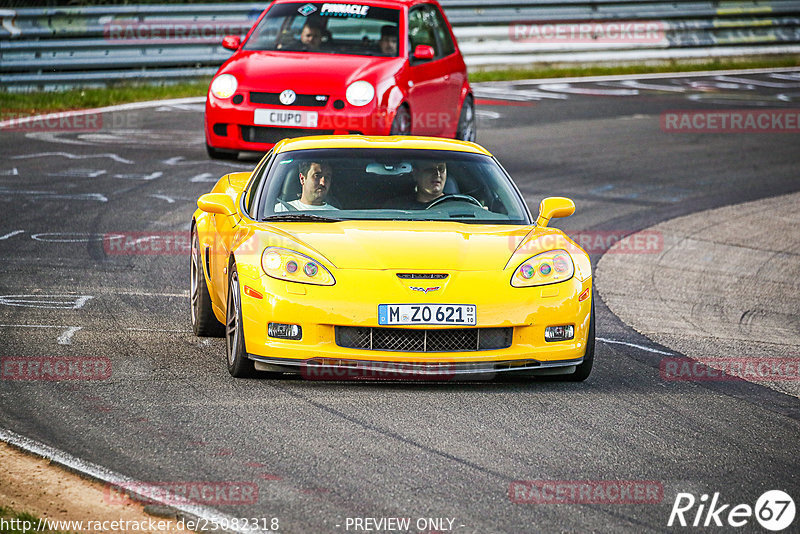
(388, 257)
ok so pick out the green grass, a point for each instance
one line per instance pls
(14, 105)
(20, 104)
(8, 514)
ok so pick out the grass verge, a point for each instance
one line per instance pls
(13, 105)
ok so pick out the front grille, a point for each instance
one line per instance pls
(273, 99)
(268, 134)
(429, 340)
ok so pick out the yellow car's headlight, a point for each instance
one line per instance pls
(548, 267)
(224, 86)
(285, 264)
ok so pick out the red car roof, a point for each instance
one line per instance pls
(376, 3)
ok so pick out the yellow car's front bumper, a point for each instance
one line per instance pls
(353, 302)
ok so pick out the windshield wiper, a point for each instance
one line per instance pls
(299, 217)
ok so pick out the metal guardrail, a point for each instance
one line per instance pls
(49, 48)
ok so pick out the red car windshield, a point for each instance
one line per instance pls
(354, 29)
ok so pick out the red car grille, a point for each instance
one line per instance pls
(273, 99)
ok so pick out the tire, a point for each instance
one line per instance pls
(583, 370)
(239, 365)
(401, 125)
(466, 130)
(215, 153)
(204, 322)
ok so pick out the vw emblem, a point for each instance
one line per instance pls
(287, 97)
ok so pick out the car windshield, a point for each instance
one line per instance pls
(329, 185)
(354, 29)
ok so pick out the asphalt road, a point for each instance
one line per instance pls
(323, 452)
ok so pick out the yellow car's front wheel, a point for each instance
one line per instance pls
(239, 365)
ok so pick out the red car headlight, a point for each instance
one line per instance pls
(224, 86)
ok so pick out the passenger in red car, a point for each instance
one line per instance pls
(388, 40)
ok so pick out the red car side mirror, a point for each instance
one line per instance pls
(231, 42)
(423, 52)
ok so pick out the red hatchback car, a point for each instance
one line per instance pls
(378, 67)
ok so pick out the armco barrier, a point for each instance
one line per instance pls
(49, 48)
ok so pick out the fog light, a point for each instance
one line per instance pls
(559, 333)
(284, 331)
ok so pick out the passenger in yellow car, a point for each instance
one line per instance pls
(315, 179)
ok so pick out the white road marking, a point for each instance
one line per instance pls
(486, 114)
(11, 234)
(146, 177)
(514, 94)
(53, 195)
(205, 177)
(12, 172)
(182, 107)
(634, 84)
(78, 173)
(53, 137)
(74, 237)
(55, 302)
(70, 155)
(760, 83)
(66, 337)
(121, 483)
(568, 89)
(795, 76)
(169, 200)
(648, 349)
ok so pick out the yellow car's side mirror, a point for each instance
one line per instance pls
(216, 203)
(554, 208)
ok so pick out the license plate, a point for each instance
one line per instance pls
(285, 117)
(455, 314)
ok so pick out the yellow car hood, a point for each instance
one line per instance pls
(409, 245)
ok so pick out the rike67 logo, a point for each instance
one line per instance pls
(774, 511)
